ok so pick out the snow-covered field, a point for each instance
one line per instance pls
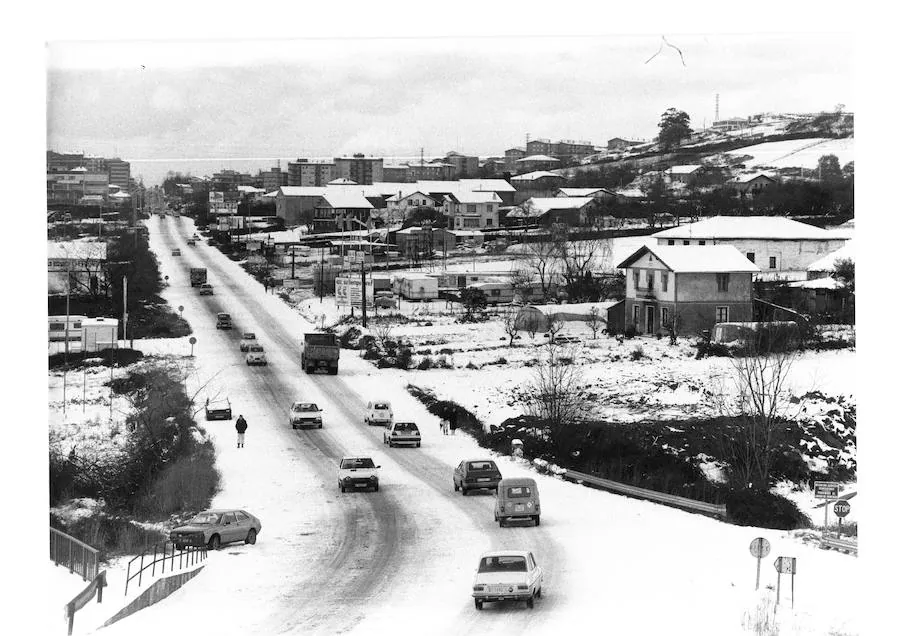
(613, 563)
(796, 153)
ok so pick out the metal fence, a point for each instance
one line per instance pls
(94, 587)
(161, 555)
(79, 557)
(716, 510)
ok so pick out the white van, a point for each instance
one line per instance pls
(379, 413)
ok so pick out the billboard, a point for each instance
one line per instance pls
(348, 291)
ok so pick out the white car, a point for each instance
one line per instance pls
(305, 414)
(402, 433)
(507, 575)
(206, 289)
(247, 338)
(357, 472)
(256, 355)
(379, 413)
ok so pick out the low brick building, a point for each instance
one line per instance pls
(696, 286)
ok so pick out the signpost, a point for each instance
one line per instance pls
(193, 341)
(759, 548)
(826, 490)
(841, 510)
(785, 565)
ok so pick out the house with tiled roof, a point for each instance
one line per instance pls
(571, 211)
(695, 286)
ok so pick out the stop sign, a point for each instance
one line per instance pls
(841, 508)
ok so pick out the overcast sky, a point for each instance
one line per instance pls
(327, 97)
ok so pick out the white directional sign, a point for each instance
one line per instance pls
(348, 291)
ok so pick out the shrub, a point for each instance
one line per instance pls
(404, 358)
(447, 352)
(112, 535)
(425, 352)
(425, 364)
(763, 509)
(189, 483)
(367, 341)
(630, 331)
(637, 353)
(471, 365)
(105, 357)
(442, 362)
(350, 339)
(371, 354)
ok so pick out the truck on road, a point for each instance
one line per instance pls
(198, 276)
(320, 351)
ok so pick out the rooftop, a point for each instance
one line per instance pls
(746, 227)
(827, 262)
(695, 258)
(539, 174)
(583, 192)
(537, 158)
(687, 169)
(545, 204)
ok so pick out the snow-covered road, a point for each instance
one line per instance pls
(401, 560)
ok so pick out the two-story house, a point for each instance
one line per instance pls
(472, 210)
(696, 286)
(341, 211)
(399, 205)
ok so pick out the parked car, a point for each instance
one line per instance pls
(517, 499)
(213, 528)
(218, 410)
(508, 575)
(206, 289)
(247, 338)
(379, 413)
(402, 433)
(305, 414)
(213, 242)
(223, 321)
(191, 242)
(176, 252)
(358, 472)
(475, 474)
(256, 355)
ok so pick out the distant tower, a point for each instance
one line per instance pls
(527, 139)
(717, 107)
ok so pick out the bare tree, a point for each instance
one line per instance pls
(556, 396)
(671, 327)
(511, 323)
(579, 259)
(554, 325)
(758, 405)
(595, 321)
(522, 281)
(383, 330)
(88, 269)
(542, 257)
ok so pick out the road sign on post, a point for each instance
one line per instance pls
(785, 565)
(759, 548)
(193, 341)
(841, 510)
(826, 490)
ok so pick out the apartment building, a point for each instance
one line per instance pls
(359, 169)
(304, 172)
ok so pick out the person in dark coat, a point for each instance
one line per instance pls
(453, 424)
(241, 427)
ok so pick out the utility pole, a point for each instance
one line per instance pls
(363, 271)
(293, 255)
(66, 330)
(124, 308)
(321, 274)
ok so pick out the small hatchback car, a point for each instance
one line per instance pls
(256, 355)
(305, 414)
(402, 433)
(379, 413)
(213, 528)
(247, 338)
(176, 252)
(474, 474)
(510, 575)
(206, 289)
(357, 472)
(517, 499)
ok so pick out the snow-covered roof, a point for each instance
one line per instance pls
(539, 174)
(120, 195)
(750, 176)
(249, 189)
(545, 204)
(582, 192)
(537, 158)
(687, 169)
(346, 199)
(475, 197)
(817, 283)
(100, 322)
(463, 185)
(302, 191)
(84, 249)
(746, 227)
(631, 193)
(342, 181)
(579, 309)
(826, 263)
(695, 258)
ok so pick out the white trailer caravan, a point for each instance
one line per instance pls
(418, 287)
(99, 333)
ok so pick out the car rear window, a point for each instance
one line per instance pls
(482, 466)
(305, 408)
(256, 349)
(382, 407)
(249, 336)
(515, 492)
(503, 564)
(405, 426)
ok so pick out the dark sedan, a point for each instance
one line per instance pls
(474, 474)
(213, 528)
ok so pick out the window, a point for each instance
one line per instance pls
(650, 280)
(665, 281)
(495, 292)
(702, 242)
(471, 222)
(470, 208)
(722, 282)
(772, 264)
(686, 242)
(228, 518)
(671, 241)
(751, 256)
(636, 314)
(241, 517)
(489, 222)
(721, 314)
(636, 275)
(665, 316)
(490, 207)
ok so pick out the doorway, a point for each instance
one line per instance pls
(651, 315)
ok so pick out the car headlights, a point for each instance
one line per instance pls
(522, 587)
(478, 588)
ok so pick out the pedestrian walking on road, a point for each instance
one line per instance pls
(453, 424)
(241, 427)
(445, 426)
(266, 285)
